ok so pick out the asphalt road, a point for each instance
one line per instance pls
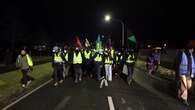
(88, 96)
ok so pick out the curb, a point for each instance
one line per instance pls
(166, 87)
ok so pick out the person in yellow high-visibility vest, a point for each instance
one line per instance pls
(57, 64)
(108, 61)
(98, 63)
(77, 64)
(87, 62)
(118, 61)
(25, 63)
(130, 61)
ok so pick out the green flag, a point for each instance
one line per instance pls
(132, 38)
(98, 44)
(87, 44)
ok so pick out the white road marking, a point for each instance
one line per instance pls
(110, 102)
(26, 95)
(63, 103)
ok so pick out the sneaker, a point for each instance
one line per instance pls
(80, 79)
(56, 84)
(61, 81)
(28, 82)
(23, 85)
(129, 81)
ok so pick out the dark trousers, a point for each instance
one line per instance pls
(66, 68)
(97, 70)
(25, 76)
(58, 72)
(130, 68)
(87, 67)
(77, 71)
(117, 68)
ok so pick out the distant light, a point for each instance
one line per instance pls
(107, 18)
(149, 46)
(165, 45)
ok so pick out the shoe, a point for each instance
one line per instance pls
(80, 79)
(23, 85)
(56, 84)
(185, 102)
(61, 81)
(129, 81)
(29, 82)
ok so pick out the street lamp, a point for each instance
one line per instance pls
(107, 18)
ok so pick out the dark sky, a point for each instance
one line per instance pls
(54, 20)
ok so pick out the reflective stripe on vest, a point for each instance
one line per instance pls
(129, 60)
(116, 58)
(29, 60)
(112, 53)
(58, 58)
(77, 59)
(87, 55)
(98, 58)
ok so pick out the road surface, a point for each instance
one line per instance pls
(88, 96)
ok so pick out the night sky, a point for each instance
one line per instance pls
(35, 21)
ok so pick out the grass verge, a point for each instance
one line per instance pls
(162, 72)
(36, 60)
(10, 88)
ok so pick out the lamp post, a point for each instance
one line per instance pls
(107, 18)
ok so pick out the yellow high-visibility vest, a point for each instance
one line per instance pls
(130, 59)
(29, 60)
(107, 60)
(77, 59)
(98, 58)
(87, 55)
(58, 58)
(119, 58)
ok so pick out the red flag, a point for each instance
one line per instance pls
(78, 42)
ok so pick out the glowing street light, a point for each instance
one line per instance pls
(107, 18)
